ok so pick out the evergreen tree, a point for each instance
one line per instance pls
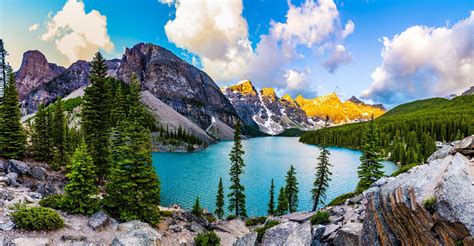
(237, 195)
(291, 189)
(95, 117)
(271, 203)
(220, 200)
(197, 210)
(428, 146)
(282, 207)
(132, 169)
(41, 141)
(12, 137)
(59, 128)
(370, 168)
(321, 182)
(119, 110)
(81, 190)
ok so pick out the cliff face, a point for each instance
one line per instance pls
(182, 86)
(35, 71)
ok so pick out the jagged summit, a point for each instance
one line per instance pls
(244, 87)
(470, 91)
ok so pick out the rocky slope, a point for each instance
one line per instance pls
(34, 71)
(470, 91)
(264, 110)
(352, 110)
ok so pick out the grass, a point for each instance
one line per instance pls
(342, 198)
(255, 221)
(320, 218)
(403, 169)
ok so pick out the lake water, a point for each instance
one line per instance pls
(184, 176)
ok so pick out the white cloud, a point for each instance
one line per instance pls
(338, 58)
(217, 33)
(33, 27)
(167, 2)
(424, 62)
(78, 34)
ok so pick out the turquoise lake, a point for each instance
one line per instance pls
(184, 176)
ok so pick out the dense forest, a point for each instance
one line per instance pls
(407, 132)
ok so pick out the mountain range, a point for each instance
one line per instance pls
(174, 89)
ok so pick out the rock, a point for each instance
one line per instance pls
(301, 235)
(230, 230)
(35, 195)
(278, 235)
(98, 220)
(12, 179)
(382, 181)
(249, 239)
(136, 233)
(318, 231)
(46, 189)
(73, 238)
(7, 226)
(18, 167)
(439, 144)
(195, 227)
(330, 230)
(337, 211)
(3, 166)
(299, 217)
(6, 195)
(38, 173)
(440, 153)
(357, 199)
(175, 228)
(465, 146)
(349, 235)
(31, 241)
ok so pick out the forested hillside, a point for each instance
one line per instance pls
(408, 131)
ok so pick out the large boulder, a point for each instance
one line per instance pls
(440, 153)
(349, 235)
(12, 179)
(136, 233)
(99, 220)
(249, 239)
(465, 146)
(3, 166)
(278, 235)
(18, 167)
(38, 172)
(30, 241)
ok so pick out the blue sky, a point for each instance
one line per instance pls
(130, 22)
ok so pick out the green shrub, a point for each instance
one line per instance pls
(166, 213)
(342, 198)
(320, 218)
(52, 201)
(210, 217)
(261, 230)
(255, 221)
(207, 239)
(36, 218)
(430, 204)
(231, 217)
(403, 169)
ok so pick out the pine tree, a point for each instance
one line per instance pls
(271, 203)
(321, 181)
(12, 137)
(428, 146)
(81, 190)
(197, 210)
(220, 200)
(291, 189)
(119, 111)
(59, 128)
(41, 141)
(370, 168)
(95, 117)
(282, 207)
(132, 169)
(237, 195)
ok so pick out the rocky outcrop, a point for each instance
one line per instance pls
(34, 71)
(470, 91)
(186, 89)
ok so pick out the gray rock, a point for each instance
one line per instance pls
(278, 235)
(6, 195)
(299, 217)
(249, 239)
(18, 167)
(465, 146)
(46, 189)
(349, 235)
(301, 235)
(136, 233)
(31, 241)
(8, 226)
(195, 227)
(12, 177)
(99, 220)
(330, 230)
(35, 195)
(38, 173)
(439, 144)
(3, 166)
(175, 228)
(318, 231)
(440, 153)
(73, 238)
(356, 199)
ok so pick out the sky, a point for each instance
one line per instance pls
(383, 51)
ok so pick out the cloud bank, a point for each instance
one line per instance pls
(78, 34)
(424, 62)
(217, 33)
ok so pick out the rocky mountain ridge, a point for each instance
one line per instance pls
(273, 115)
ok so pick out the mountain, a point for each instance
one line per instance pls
(264, 110)
(183, 87)
(352, 110)
(34, 71)
(470, 91)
